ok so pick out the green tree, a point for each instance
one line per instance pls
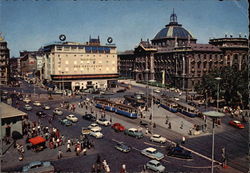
(233, 85)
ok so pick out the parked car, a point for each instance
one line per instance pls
(157, 91)
(94, 126)
(96, 133)
(89, 117)
(41, 114)
(72, 118)
(103, 121)
(179, 152)
(152, 153)
(118, 127)
(39, 167)
(158, 138)
(133, 132)
(236, 124)
(85, 131)
(123, 147)
(57, 111)
(37, 103)
(65, 122)
(26, 100)
(155, 165)
(46, 107)
(27, 107)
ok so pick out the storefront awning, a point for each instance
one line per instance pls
(37, 140)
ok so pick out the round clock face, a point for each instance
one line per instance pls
(110, 40)
(62, 37)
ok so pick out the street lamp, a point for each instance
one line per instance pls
(214, 115)
(218, 91)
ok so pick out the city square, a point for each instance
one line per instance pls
(103, 101)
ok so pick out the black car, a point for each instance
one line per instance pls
(121, 90)
(41, 114)
(179, 152)
(89, 117)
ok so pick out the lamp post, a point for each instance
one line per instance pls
(214, 115)
(218, 91)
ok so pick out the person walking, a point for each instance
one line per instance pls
(182, 124)
(59, 154)
(183, 140)
(169, 125)
(68, 148)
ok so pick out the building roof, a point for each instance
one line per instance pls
(173, 30)
(204, 47)
(7, 111)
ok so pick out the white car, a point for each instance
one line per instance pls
(72, 118)
(157, 91)
(58, 111)
(176, 98)
(46, 107)
(37, 103)
(96, 133)
(94, 126)
(26, 100)
(158, 138)
(27, 107)
(103, 121)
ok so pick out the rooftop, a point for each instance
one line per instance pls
(7, 111)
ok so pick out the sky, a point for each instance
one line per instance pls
(30, 24)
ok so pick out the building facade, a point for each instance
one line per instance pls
(174, 58)
(76, 66)
(4, 62)
(28, 62)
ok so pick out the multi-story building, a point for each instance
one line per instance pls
(4, 62)
(14, 66)
(75, 66)
(28, 62)
(173, 57)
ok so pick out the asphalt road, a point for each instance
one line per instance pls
(234, 140)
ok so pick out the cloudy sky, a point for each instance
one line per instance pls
(30, 24)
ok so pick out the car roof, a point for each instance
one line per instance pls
(132, 129)
(151, 149)
(236, 121)
(154, 162)
(156, 135)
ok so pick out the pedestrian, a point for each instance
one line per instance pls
(68, 148)
(169, 125)
(59, 154)
(183, 140)
(181, 127)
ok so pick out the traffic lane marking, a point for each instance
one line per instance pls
(164, 160)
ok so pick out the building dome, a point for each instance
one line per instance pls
(173, 30)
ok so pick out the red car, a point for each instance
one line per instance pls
(118, 127)
(237, 124)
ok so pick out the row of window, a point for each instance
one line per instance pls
(75, 55)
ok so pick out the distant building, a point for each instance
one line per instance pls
(11, 120)
(173, 57)
(75, 66)
(4, 62)
(15, 66)
(28, 62)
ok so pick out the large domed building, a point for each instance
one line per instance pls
(174, 58)
(172, 34)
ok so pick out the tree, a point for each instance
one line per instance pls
(233, 85)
